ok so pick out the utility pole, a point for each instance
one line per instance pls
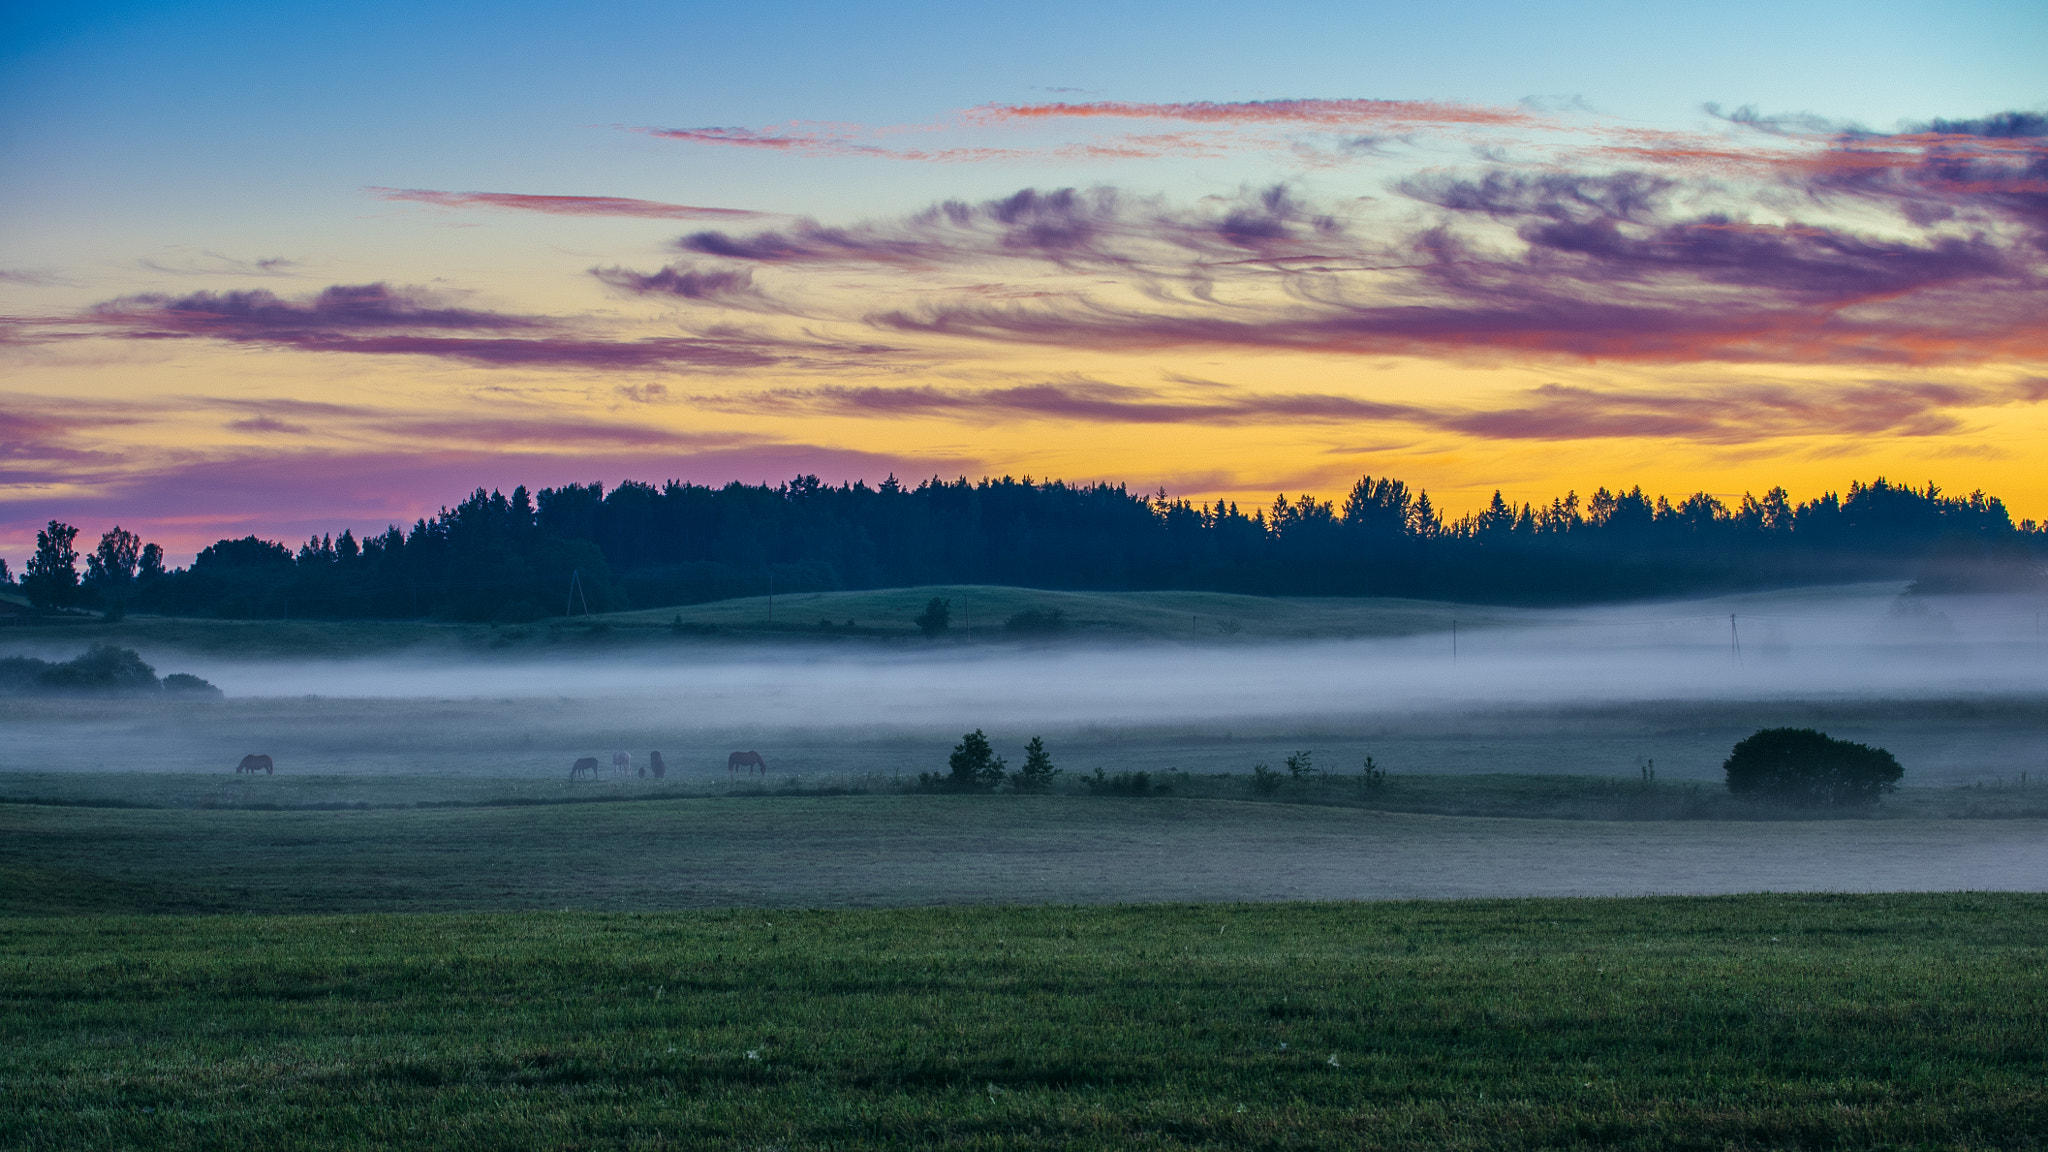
(575, 593)
(1454, 641)
(1735, 639)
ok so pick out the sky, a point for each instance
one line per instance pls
(285, 269)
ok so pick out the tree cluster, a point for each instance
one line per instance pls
(581, 548)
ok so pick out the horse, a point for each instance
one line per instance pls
(253, 764)
(655, 765)
(748, 760)
(586, 764)
(622, 763)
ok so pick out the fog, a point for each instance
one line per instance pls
(1841, 645)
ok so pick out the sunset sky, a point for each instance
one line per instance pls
(289, 268)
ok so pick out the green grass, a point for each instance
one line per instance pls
(893, 850)
(879, 615)
(1750, 1022)
(1498, 795)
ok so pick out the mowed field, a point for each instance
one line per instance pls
(1895, 1021)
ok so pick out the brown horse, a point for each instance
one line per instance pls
(751, 761)
(655, 765)
(253, 764)
(586, 764)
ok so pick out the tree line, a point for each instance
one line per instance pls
(582, 548)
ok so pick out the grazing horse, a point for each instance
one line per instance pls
(751, 761)
(622, 763)
(252, 764)
(655, 765)
(586, 764)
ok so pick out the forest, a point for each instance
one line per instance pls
(581, 548)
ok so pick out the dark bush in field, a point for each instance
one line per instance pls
(186, 684)
(1036, 621)
(1125, 784)
(1804, 767)
(1265, 781)
(975, 768)
(936, 617)
(102, 668)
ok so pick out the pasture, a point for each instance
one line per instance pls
(1895, 1021)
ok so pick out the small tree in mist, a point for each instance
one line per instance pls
(1037, 773)
(1804, 767)
(1301, 765)
(975, 768)
(936, 617)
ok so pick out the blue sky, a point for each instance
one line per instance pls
(231, 276)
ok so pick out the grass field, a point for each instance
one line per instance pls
(1747, 1022)
(979, 612)
(895, 850)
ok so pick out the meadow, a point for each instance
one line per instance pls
(1896, 1021)
(421, 932)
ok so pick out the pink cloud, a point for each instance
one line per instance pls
(562, 205)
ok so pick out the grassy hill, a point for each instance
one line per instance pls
(878, 615)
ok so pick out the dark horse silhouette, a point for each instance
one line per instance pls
(751, 761)
(587, 764)
(655, 765)
(253, 764)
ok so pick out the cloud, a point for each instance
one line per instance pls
(562, 205)
(725, 287)
(1337, 114)
(340, 308)
(1552, 412)
(1628, 264)
(378, 319)
(214, 264)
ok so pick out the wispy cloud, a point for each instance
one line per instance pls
(1552, 412)
(562, 205)
(380, 319)
(1923, 247)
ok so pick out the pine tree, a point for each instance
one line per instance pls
(1037, 773)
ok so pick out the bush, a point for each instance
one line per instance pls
(1037, 773)
(1300, 765)
(1038, 621)
(1807, 768)
(186, 684)
(102, 668)
(1265, 781)
(975, 768)
(1124, 784)
(1374, 777)
(936, 617)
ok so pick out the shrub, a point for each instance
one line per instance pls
(186, 684)
(936, 617)
(1265, 781)
(1036, 621)
(1808, 768)
(1375, 777)
(1037, 773)
(102, 668)
(975, 768)
(1300, 766)
(1124, 784)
